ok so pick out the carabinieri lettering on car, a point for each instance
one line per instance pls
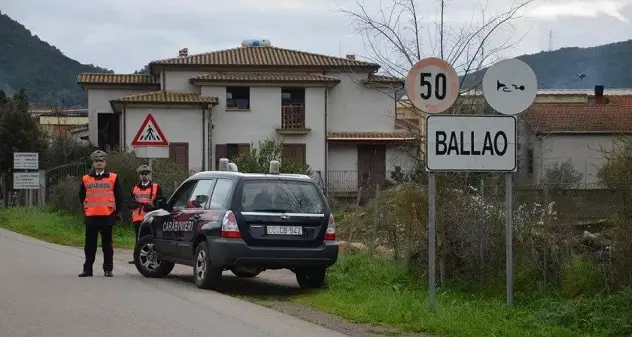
(456, 145)
(177, 226)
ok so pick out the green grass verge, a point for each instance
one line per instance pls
(57, 227)
(377, 291)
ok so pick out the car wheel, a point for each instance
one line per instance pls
(146, 259)
(246, 272)
(311, 278)
(204, 274)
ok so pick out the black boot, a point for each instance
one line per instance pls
(108, 274)
(131, 262)
(85, 274)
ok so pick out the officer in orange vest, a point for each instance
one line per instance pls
(101, 195)
(144, 195)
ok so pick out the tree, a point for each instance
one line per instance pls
(18, 132)
(564, 174)
(257, 160)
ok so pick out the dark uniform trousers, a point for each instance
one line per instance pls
(94, 227)
(136, 228)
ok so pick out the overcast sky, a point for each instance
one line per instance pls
(124, 35)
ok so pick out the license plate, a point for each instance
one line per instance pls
(284, 230)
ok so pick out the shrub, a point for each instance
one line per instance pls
(257, 160)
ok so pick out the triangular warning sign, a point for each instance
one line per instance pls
(150, 134)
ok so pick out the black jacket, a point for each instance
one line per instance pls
(132, 203)
(119, 197)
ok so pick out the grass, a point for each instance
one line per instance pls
(57, 227)
(367, 290)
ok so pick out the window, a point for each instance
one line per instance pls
(238, 98)
(294, 152)
(200, 196)
(180, 197)
(179, 153)
(530, 161)
(281, 196)
(229, 151)
(292, 96)
(221, 192)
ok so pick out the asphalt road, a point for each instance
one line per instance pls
(41, 295)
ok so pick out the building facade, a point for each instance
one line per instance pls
(335, 114)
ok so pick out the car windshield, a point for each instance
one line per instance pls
(281, 196)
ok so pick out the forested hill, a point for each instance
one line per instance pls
(48, 76)
(607, 64)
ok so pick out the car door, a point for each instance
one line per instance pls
(190, 217)
(166, 234)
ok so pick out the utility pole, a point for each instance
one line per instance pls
(550, 39)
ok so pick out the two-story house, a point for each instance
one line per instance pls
(335, 114)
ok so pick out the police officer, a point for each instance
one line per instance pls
(101, 195)
(143, 197)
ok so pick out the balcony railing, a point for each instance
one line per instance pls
(293, 117)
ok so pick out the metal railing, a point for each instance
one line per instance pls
(293, 117)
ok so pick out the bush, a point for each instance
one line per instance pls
(64, 196)
(257, 160)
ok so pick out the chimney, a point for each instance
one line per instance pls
(183, 52)
(350, 57)
(599, 94)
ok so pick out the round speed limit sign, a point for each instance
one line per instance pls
(432, 85)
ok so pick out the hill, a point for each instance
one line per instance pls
(606, 64)
(48, 76)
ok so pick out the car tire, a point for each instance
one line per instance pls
(246, 273)
(147, 261)
(311, 278)
(205, 275)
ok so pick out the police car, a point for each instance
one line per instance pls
(242, 222)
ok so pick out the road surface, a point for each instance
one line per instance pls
(41, 295)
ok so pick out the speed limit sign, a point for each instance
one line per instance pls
(432, 85)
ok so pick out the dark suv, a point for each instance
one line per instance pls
(246, 223)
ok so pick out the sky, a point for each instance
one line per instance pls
(124, 35)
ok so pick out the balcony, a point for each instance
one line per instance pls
(293, 120)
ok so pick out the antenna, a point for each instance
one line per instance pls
(550, 39)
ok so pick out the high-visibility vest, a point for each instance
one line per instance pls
(146, 196)
(99, 199)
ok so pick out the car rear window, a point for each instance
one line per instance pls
(281, 196)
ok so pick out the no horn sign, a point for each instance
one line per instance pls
(471, 143)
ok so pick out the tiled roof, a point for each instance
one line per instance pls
(105, 78)
(358, 135)
(551, 118)
(264, 56)
(382, 79)
(166, 97)
(263, 77)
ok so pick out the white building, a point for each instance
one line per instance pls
(334, 113)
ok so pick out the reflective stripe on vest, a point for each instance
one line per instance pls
(143, 196)
(99, 199)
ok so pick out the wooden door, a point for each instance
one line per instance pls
(371, 167)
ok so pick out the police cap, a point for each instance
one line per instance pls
(143, 168)
(98, 155)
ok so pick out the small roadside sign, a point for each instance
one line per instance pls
(432, 85)
(25, 160)
(149, 133)
(471, 143)
(26, 180)
(510, 86)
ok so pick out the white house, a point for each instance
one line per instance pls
(335, 114)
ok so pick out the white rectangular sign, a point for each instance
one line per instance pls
(471, 143)
(25, 160)
(26, 180)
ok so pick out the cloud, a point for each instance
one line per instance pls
(582, 9)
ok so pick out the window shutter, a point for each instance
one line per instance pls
(295, 152)
(179, 153)
(243, 148)
(220, 152)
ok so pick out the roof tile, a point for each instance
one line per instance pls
(369, 135)
(166, 97)
(264, 56)
(107, 78)
(263, 77)
(551, 118)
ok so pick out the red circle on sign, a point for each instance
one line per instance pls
(441, 91)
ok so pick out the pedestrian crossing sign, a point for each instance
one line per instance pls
(150, 134)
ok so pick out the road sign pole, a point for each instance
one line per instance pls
(432, 235)
(509, 235)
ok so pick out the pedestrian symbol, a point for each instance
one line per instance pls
(150, 134)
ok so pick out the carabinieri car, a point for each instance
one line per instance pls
(242, 222)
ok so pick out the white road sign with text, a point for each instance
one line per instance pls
(26, 180)
(432, 85)
(471, 143)
(25, 160)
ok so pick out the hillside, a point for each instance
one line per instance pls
(607, 64)
(48, 76)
